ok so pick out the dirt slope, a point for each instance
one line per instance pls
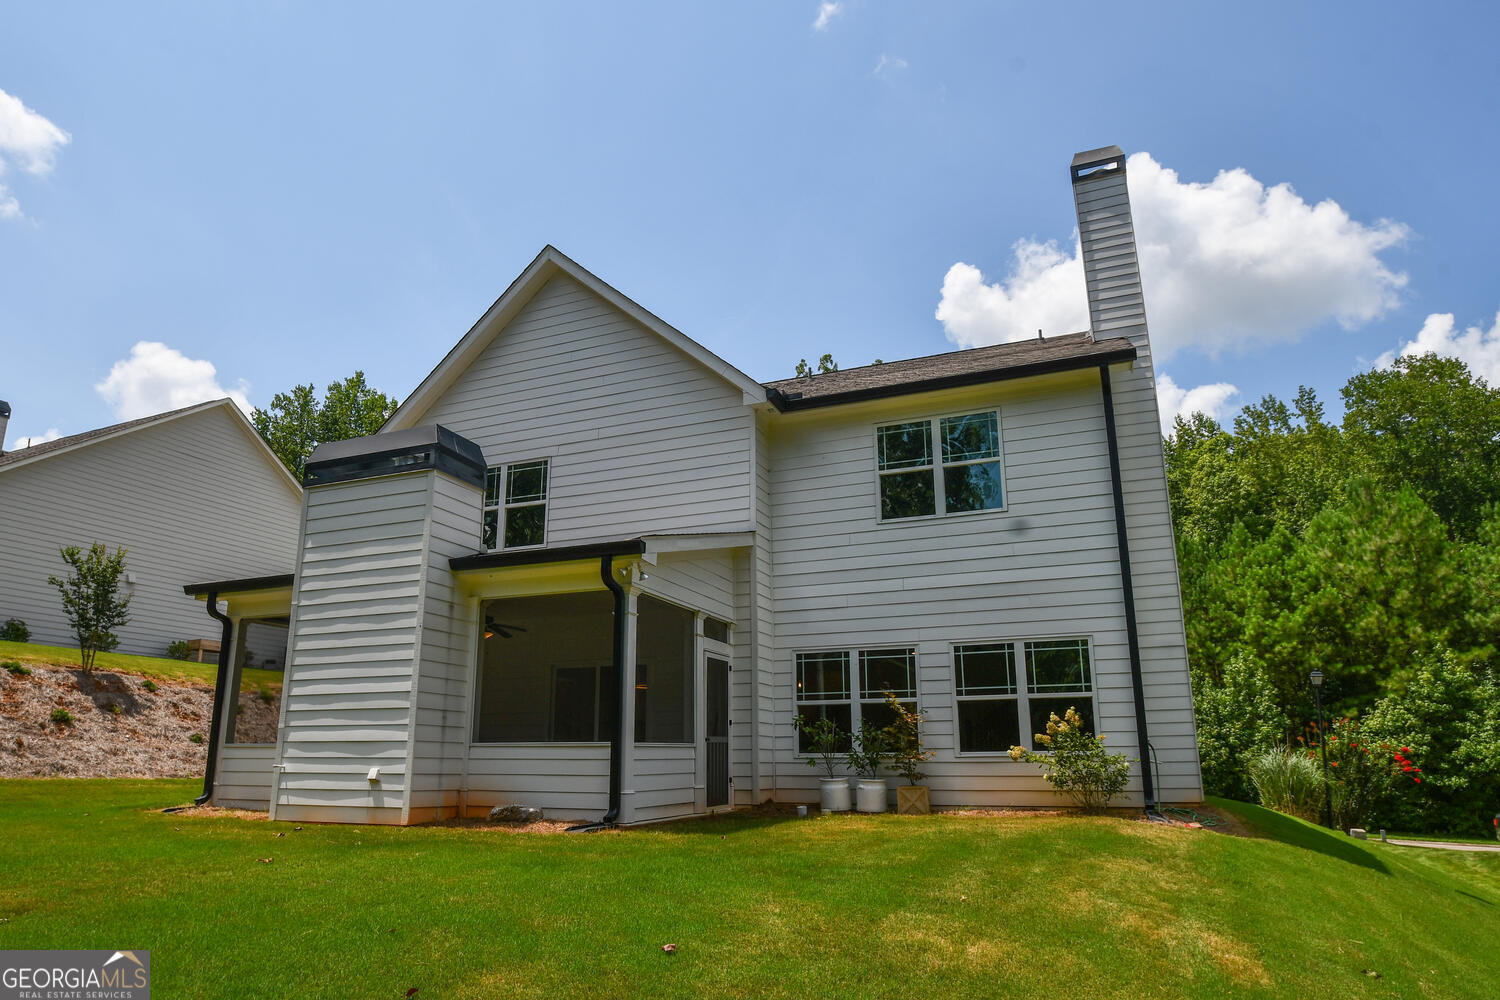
(119, 727)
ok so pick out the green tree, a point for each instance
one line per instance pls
(1428, 422)
(91, 598)
(1238, 718)
(296, 422)
(826, 364)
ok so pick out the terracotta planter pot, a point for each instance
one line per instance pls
(913, 800)
(834, 794)
(870, 795)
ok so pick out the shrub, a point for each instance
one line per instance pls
(196, 738)
(265, 695)
(1075, 762)
(14, 630)
(1288, 781)
(91, 598)
(15, 667)
(1237, 719)
(178, 650)
(113, 709)
(826, 743)
(907, 755)
(868, 750)
(149, 685)
(1362, 772)
(62, 716)
(1450, 718)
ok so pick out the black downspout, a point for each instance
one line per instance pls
(220, 682)
(617, 741)
(1128, 588)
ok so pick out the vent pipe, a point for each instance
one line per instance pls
(4, 420)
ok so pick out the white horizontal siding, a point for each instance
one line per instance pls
(564, 780)
(1045, 566)
(192, 499)
(640, 437)
(353, 648)
(242, 777)
(663, 782)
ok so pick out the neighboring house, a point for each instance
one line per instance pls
(580, 502)
(187, 493)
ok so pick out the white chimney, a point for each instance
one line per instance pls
(4, 420)
(1110, 269)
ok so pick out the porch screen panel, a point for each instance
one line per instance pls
(664, 672)
(544, 670)
(259, 668)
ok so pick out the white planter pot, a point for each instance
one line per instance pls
(835, 794)
(870, 795)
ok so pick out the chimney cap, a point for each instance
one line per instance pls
(4, 409)
(1084, 163)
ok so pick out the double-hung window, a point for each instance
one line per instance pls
(849, 686)
(941, 465)
(1007, 691)
(515, 505)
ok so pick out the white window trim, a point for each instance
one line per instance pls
(1022, 696)
(504, 508)
(855, 697)
(939, 495)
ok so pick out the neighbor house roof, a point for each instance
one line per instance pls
(974, 366)
(63, 445)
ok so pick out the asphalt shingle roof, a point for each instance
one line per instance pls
(940, 371)
(59, 444)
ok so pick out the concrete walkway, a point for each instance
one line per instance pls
(1445, 845)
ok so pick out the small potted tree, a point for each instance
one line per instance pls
(907, 757)
(868, 750)
(826, 743)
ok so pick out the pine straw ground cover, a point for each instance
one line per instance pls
(758, 906)
(114, 723)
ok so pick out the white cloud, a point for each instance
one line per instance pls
(156, 378)
(19, 441)
(1174, 401)
(888, 66)
(1474, 346)
(1227, 265)
(26, 139)
(827, 11)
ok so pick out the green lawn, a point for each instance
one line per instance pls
(885, 906)
(124, 663)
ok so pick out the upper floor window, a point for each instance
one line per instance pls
(515, 505)
(948, 465)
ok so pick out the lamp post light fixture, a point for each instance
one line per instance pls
(1317, 685)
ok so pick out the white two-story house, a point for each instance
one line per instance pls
(592, 567)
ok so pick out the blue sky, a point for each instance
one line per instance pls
(289, 192)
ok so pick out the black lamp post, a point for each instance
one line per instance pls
(1317, 685)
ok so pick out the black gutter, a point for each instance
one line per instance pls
(784, 402)
(617, 741)
(221, 681)
(536, 557)
(239, 586)
(1128, 588)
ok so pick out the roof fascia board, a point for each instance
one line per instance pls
(1122, 356)
(544, 266)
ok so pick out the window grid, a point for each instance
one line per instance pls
(515, 505)
(1029, 696)
(897, 458)
(848, 705)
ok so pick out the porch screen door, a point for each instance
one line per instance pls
(716, 694)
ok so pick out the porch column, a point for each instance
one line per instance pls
(627, 713)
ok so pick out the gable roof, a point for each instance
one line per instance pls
(974, 366)
(547, 264)
(62, 445)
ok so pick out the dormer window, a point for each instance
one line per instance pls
(948, 465)
(515, 505)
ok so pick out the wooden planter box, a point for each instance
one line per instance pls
(913, 800)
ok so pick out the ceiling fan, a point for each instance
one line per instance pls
(493, 628)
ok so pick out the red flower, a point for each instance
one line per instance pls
(1417, 780)
(1406, 767)
(1406, 749)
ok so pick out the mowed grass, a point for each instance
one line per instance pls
(32, 653)
(943, 906)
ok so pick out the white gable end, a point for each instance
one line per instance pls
(641, 437)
